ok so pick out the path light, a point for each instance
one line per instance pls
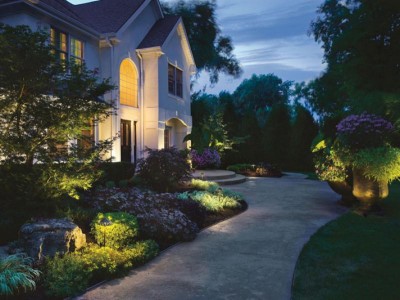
(202, 175)
(105, 222)
(254, 167)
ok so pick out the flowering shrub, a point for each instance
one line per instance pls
(208, 159)
(328, 168)
(364, 131)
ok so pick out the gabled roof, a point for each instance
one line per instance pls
(106, 15)
(159, 33)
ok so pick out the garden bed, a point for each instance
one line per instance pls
(166, 218)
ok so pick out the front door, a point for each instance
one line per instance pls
(126, 141)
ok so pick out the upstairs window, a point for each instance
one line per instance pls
(76, 51)
(59, 40)
(175, 81)
(65, 47)
(128, 84)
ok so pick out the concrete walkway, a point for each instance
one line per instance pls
(251, 256)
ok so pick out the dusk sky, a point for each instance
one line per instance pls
(269, 37)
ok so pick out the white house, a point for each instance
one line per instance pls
(146, 54)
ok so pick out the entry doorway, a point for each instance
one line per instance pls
(126, 141)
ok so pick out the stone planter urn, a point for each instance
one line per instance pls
(368, 191)
(344, 189)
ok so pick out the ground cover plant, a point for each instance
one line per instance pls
(256, 170)
(353, 257)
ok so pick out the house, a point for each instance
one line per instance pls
(145, 54)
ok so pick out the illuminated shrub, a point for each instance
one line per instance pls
(121, 231)
(66, 276)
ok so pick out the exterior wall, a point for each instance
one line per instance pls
(111, 58)
(158, 108)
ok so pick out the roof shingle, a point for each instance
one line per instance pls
(107, 15)
(159, 32)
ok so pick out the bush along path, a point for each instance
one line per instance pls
(251, 256)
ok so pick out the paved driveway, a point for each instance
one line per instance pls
(251, 256)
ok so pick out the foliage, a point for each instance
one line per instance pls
(207, 159)
(210, 129)
(351, 249)
(35, 89)
(71, 274)
(17, 274)
(161, 217)
(276, 135)
(66, 276)
(328, 165)
(360, 39)
(163, 169)
(364, 131)
(303, 131)
(260, 93)
(122, 232)
(216, 202)
(204, 185)
(259, 169)
(106, 262)
(211, 50)
(381, 164)
(241, 167)
(115, 171)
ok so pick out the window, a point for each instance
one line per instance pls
(74, 52)
(60, 42)
(175, 81)
(128, 84)
(86, 140)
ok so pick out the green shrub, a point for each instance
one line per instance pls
(17, 274)
(116, 171)
(163, 169)
(205, 185)
(106, 262)
(122, 231)
(215, 202)
(66, 276)
(232, 194)
(379, 163)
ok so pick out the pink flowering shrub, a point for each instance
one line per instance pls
(364, 131)
(208, 159)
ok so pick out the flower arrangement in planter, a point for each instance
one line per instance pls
(329, 167)
(364, 144)
(209, 158)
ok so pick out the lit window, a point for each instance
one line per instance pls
(175, 81)
(128, 84)
(59, 40)
(76, 51)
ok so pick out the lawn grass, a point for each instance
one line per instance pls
(353, 257)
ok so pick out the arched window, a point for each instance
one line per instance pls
(128, 83)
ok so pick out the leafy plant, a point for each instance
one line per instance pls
(216, 202)
(121, 231)
(164, 169)
(17, 274)
(204, 185)
(206, 159)
(66, 276)
(106, 262)
(381, 164)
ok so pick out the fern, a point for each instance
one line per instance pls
(16, 274)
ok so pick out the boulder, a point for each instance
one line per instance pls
(50, 236)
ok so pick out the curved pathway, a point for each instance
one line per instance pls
(251, 256)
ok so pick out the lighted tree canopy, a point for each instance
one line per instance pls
(212, 51)
(45, 103)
